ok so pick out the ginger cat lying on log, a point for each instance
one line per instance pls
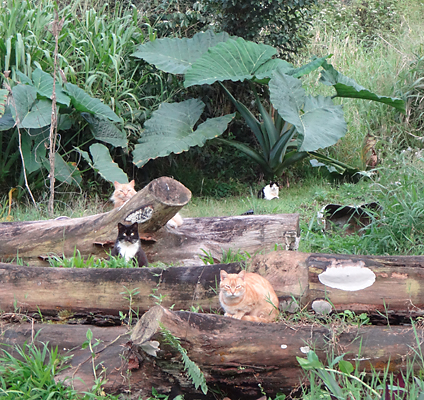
(247, 296)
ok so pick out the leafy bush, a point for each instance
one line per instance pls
(30, 114)
(282, 24)
(296, 125)
(93, 53)
(176, 18)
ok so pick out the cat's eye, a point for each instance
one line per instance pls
(227, 286)
(238, 286)
(132, 233)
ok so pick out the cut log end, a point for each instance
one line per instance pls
(170, 191)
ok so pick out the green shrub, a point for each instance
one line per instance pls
(282, 24)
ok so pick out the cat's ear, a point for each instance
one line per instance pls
(132, 183)
(242, 274)
(134, 226)
(120, 226)
(223, 274)
(116, 184)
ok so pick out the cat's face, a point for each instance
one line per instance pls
(232, 285)
(124, 191)
(128, 233)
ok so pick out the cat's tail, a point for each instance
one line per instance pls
(262, 318)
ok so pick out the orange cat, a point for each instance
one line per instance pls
(247, 296)
(123, 192)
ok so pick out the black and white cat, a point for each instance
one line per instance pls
(269, 192)
(128, 244)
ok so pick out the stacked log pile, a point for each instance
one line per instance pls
(239, 357)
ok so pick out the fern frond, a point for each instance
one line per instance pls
(192, 369)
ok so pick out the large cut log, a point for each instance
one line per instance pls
(251, 233)
(376, 285)
(236, 356)
(383, 285)
(152, 207)
(52, 290)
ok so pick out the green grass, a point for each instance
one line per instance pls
(377, 68)
(73, 206)
(28, 372)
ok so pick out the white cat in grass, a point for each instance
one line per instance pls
(269, 191)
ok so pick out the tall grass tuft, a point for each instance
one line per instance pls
(397, 229)
(377, 65)
(28, 373)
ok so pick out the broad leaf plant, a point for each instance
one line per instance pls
(294, 126)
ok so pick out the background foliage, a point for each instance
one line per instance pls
(282, 24)
(94, 54)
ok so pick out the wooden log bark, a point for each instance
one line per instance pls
(52, 290)
(251, 233)
(234, 355)
(394, 292)
(159, 201)
(238, 355)
(152, 207)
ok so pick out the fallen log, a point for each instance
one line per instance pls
(152, 207)
(388, 286)
(51, 291)
(234, 355)
(250, 233)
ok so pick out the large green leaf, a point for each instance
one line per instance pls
(323, 123)
(287, 96)
(106, 131)
(63, 171)
(250, 152)
(33, 149)
(347, 87)
(234, 60)
(103, 163)
(85, 103)
(318, 121)
(6, 120)
(43, 82)
(3, 101)
(170, 130)
(32, 113)
(176, 55)
(39, 116)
